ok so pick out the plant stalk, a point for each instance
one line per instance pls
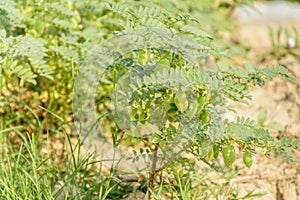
(152, 173)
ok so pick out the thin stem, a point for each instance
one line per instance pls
(152, 173)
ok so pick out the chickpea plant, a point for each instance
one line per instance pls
(167, 102)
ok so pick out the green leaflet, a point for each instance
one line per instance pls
(262, 117)
(181, 101)
(192, 110)
(39, 25)
(207, 150)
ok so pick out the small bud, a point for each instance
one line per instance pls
(291, 43)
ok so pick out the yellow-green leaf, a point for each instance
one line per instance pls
(181, 101)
